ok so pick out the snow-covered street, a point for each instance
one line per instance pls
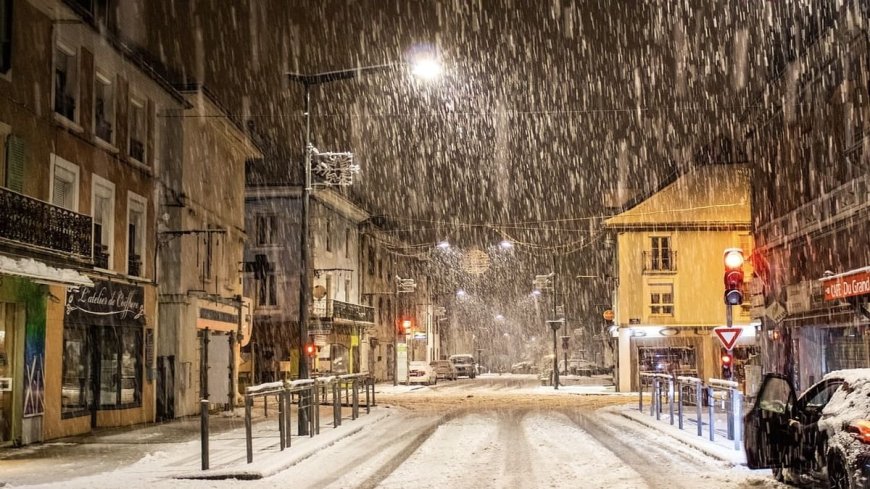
(506, 432)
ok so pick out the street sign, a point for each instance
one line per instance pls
(728, 336)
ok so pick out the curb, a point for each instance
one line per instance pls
(246, 473)
(706, 450)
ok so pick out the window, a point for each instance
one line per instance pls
(328, 235)
(65, 184)
(266, 229)
(75, 390)
(5, 36)
(138, 130)
(661, 299)
(660, 255)
(135, 234)
(65, 82)
(103, 212)
(267, 293)
(347, 290)
(104, 108)
(347, 236)
(371, 260)
(120, 366)
(12, 161)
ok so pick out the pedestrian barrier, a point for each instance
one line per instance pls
(722, 397)
(306, 395)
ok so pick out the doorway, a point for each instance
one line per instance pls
(11, 377)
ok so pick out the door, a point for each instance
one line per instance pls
(766, 436)
(9, 378)
(165, 387)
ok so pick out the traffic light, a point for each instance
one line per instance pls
(404, 326)
(310, 350)
(733, 276)
(727, 365)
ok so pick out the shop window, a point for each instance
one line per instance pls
(120, 354)
(104, 108)
(75, 390)
(137, 128)
(65, 82)
(679, 360)
(661, 299)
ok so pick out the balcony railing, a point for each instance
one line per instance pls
(134, 266)
(33, 222)
(660, 262)
(343, 310)
(101, 256)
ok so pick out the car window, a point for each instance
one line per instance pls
(776, 396)
(821, 398)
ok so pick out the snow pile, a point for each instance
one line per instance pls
(28, 267)
(848, 403)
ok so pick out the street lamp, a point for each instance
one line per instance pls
(307, 81)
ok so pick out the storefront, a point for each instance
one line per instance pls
(106, 347)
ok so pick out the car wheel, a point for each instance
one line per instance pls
(838, 476)
(778, 474)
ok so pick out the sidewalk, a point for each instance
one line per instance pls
(139, 456)
(721, 447)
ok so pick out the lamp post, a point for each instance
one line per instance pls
(426, 69)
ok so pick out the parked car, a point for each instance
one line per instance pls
(464, 365)
(821, 437)
(421, 373)
(444, 369)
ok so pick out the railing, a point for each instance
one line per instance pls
(34, 222)
(661, 261)
(343, 310)
(101, 256)
(721, 397)
(134, 265)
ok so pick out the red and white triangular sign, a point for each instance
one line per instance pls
(728, 336)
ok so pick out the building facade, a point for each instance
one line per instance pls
(811, 212)
(81, 145)
(202, 239)
(669, 294)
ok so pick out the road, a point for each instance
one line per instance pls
(501, 432)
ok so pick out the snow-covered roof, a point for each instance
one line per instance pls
(709, 195)
(40, 272)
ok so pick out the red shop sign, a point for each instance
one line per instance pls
(849, 284)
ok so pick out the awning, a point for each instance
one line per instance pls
(42, 273)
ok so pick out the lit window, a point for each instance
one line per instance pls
(661, 299)
(135, 234)
(66, 84)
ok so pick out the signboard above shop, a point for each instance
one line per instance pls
(850, 284)
(108, 303)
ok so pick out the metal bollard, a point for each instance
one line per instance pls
(354, 413)
(671, 399)
(288, 420)
(737, 411)
(710, 411)
(368, 406)
(336, 404)
(680, 387)
(729, 419)
(658, 390)
(203, 431)
(699, 408)
(249, 443)
(640, 395)
(282, 421)
(317, 409)
(652, 397)
(372, 379)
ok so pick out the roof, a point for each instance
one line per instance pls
(708, 196)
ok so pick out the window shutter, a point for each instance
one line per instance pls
(15, 163)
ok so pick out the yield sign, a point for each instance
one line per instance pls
(728, 336)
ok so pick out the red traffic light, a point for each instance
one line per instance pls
(727, 359)
(310, 350)
(404, 326)
(733, 259)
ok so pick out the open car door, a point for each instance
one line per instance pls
(766, 434)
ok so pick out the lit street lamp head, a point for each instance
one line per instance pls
(427, 69)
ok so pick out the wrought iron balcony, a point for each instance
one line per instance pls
(663, 261)
(101, 256)
(134, 266)
(33, 222)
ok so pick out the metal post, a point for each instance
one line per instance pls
(316, 409)
(312, 418)
(671, 399)
(640, 394)
(374, 402)
(658, 390)
(680, 404)
(282, 419)
(395, 327)
(737, 412)
(203, 431)
(355, 409)
(249, 443)
(305, 263)
(711, 407)
(203, 365)
(729, 419)
(288, 404)
(368, 399)
(699, 408)
(232, 371)
(652, 396)
(555, 356)
(336, 404)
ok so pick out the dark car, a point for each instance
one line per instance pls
(821, 437)
(464, 365)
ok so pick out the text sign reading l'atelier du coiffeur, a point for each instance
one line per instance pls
(106, 302)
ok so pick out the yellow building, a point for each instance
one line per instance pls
(669, 294)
